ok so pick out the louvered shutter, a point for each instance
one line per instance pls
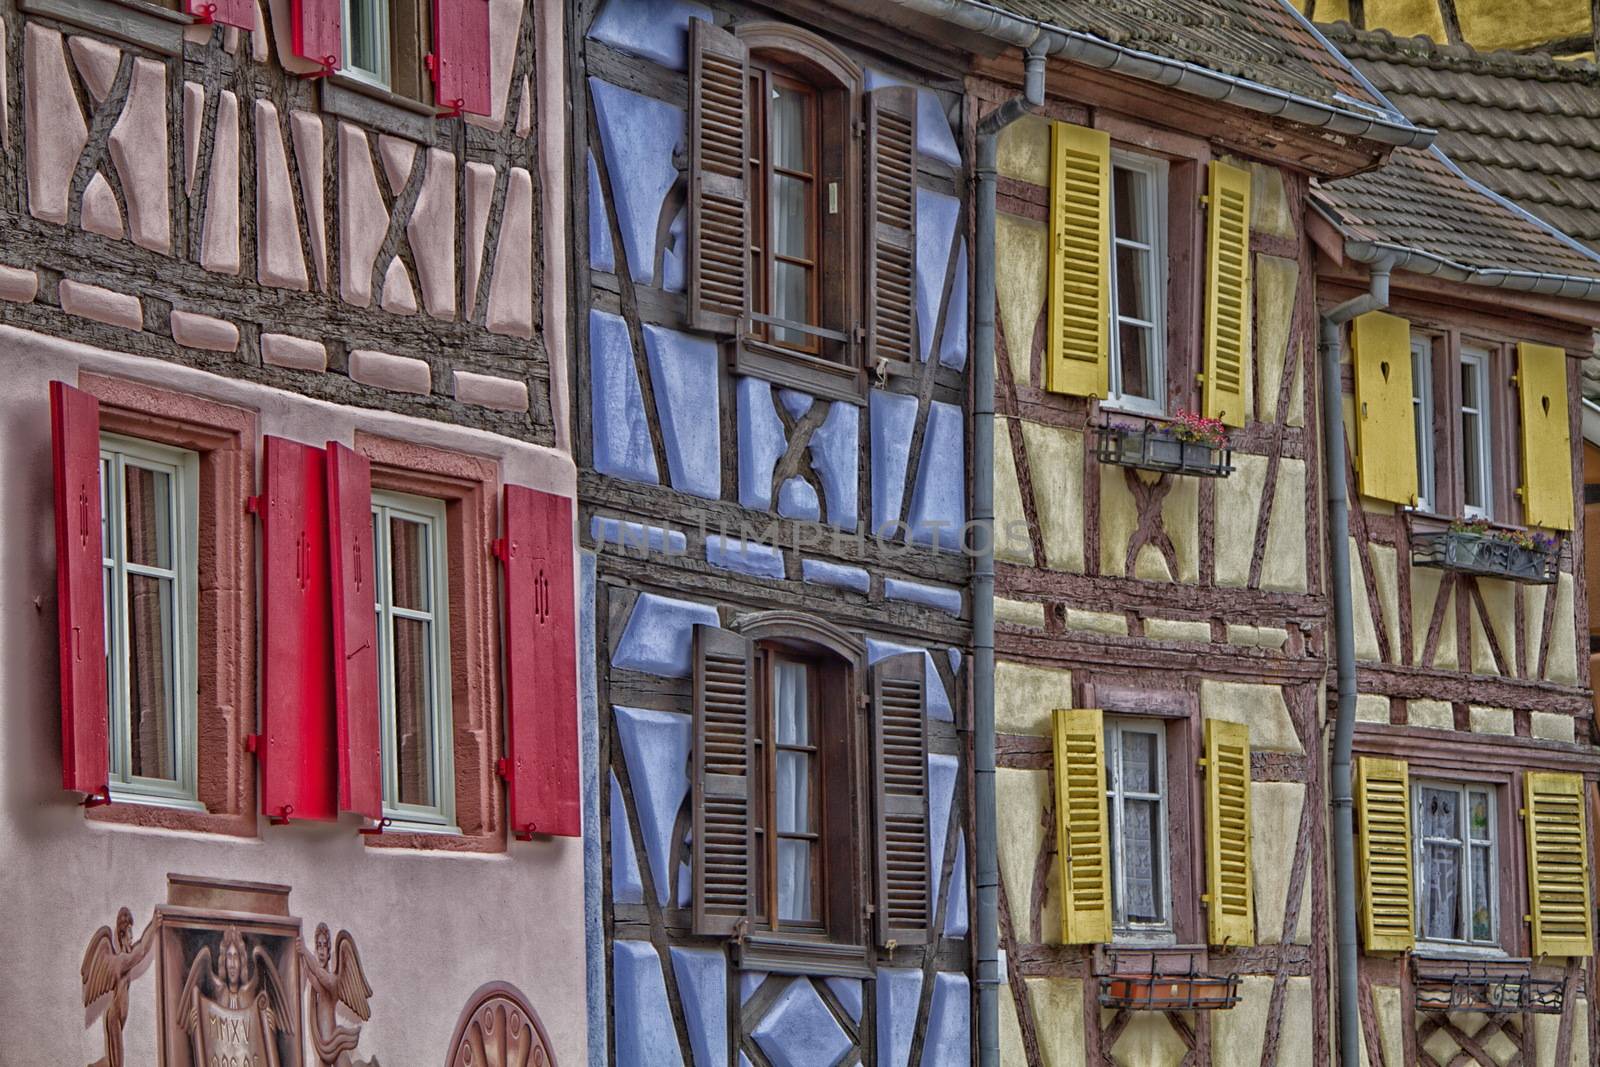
(460, 60)
(240, 13)
(541, 762)
(1230, 905)
(723, 764)
(80, 590)
(1386, 439)
(892, 224)
(1079, 294)
(900, 774)
(351, 580)
(1082, 837)
(1558, 864)
(719, 218)
(316, 31)
(1383, 812)
(298, 744)
(1226, 379)
(1546, 436)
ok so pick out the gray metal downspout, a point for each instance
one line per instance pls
(987, 925)
(1344, 858)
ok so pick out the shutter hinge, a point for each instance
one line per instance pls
(1202, 763)
(502, 767)
(498, 549)
(857, 128)
(1205, 199)
(252, 504)
(1205, 898)
(252, 744)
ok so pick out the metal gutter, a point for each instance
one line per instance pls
(1415, 261)
(1092, 51)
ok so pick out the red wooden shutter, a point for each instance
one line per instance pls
(722, 778)
(900, 774)
(80, 590)
(355, 632)
(298, 743)
(240, 13)
(316, 26)
(719, 216)
(891, 224)
(460, 59)
(541, 762)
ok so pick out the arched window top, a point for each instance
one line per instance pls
(819, 59)
(802, 631)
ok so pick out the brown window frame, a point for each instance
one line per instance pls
(410, 42)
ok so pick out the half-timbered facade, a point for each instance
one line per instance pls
(284, 425)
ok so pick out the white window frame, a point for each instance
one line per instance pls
(182, 467)
(440, 817)
(1155, 208)
(1478, 359)
(1161, 933)
(1463, 790)
(1422, 413)
(380, 41)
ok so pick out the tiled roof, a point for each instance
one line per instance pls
(1527, 127)
(1260, 41)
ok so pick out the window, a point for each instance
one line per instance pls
(1422, 410)
(409, 544)
(386, 43)
(1138, 365)
(1136, 798)
(787, 839)
(148, 520)
(1477, 480)
(1455, 863)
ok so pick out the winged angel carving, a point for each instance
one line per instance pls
(234, 1010)
(108, 966)
(335, 977)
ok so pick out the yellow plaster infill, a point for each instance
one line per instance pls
(1180, 517)
(1499, 601)
(1149, 1041)
(1238, 505)
(1491, 720)
(1283, 568)
(1391, 1035)
(1431, 714)
(1020, 249)
(1177, 630)
(1024, 150)
(1055, 467)
(1275, 810)
(1099, 622)
(1012, 1051)
(1012, 543)
(1405, 18)
(1365, 634)
(1372, 708)
(1383, 572)
(1276, 281)
(1300, 1021)
(1260, 707)
(1563, 662)
(1025, 696)
(1057, 1005)
(1488, 26)
(1238, 1033)
(1019, 612)
(1551, 726)
(1273, 637)
(1020, 798)
(1270, 211)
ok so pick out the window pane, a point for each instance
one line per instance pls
(1138, 762)
(153, 732)
(794, 881)
(1128, 201)
(1441, 912)
(1482, 908)
(1469, 385)
(148, 516)
(1142, 848)
(1471, 459)
(366, 32)
(791, 216)
(794, 792)
(1134, 347)
(791, 284)
(791, 707)
(408, 560)
(1478, 816)
(1440, 817)
(790, 137)
(413, 713)
(1133, 296)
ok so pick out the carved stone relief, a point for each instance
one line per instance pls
(498, 1028)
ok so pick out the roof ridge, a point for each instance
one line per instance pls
(1421, 50)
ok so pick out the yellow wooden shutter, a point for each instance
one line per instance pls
(1386, 437)
(1546, 437)
(1080, 261)
(1383, 809)
(1082, 837)
(1558, 864)
(1226, 378)
(1230, 908)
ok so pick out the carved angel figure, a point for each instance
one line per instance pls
(336, 978)
(107, 966)
(234, 1011)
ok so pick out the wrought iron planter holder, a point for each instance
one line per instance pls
(1492, 557)
(1154, 449)
(1137, 981)
(1498, 987)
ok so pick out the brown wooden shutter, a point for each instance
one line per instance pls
(900, 776)
(891, 224)
(723, 761)
(719, 159)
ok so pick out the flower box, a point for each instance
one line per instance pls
(1489, 987)
(1169, 992)
(1157, 448)
(1471, 552)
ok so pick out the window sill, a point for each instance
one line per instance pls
(146, 25)
(795, 370)
(782, 955)
(1431, 950)
(143, 813)
(370, 105)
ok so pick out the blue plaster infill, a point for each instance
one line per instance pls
(702, 975)
(938, 700)
(848, 992)
(658, 635)
(745, 557)
(940, 597)
(798, 500)
(953, 342)
(795, 402)
(749, 982)
(657, 30)
(893, 417)
(761, 442)
(874, 78)
(954, 655)
(622, 445)
(955, 909)
(744, 1061)
(899, 990)
(627, 887)
(645, 1034)
(639, 135)
(593, 862)
(942, 770)
(799, 1030)
(602, 256)
(676, 254)
(936, 231)
(683, 373)
(835, 456)
(935, 139)
(620, 533)
(948, 1038)
(821, 572)
(655, 745)
(939, 502)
